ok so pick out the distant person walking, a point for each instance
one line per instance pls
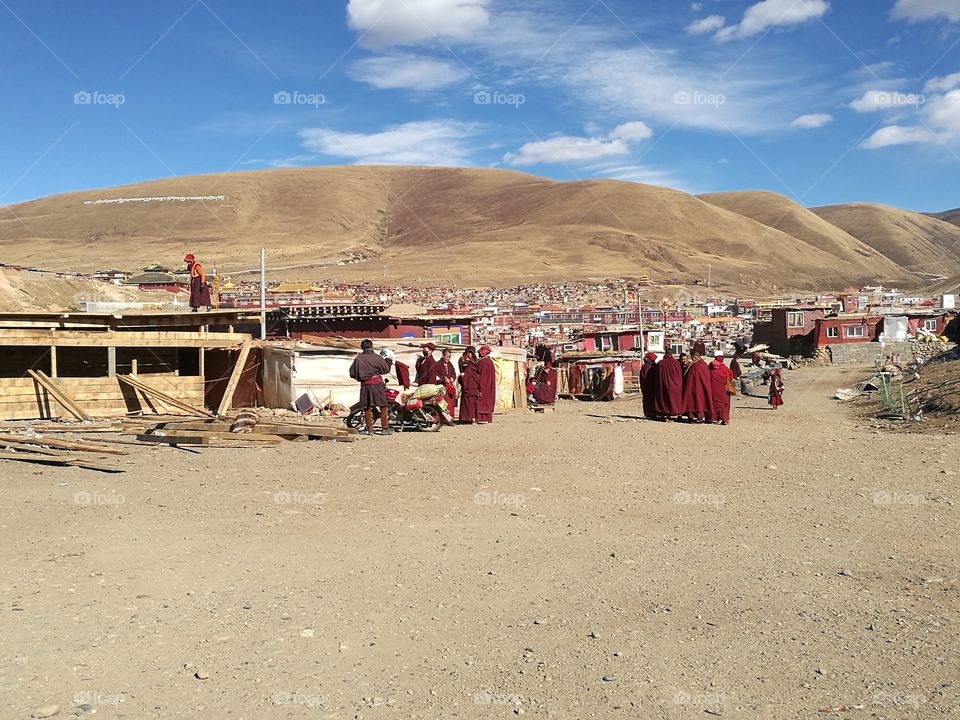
(368, 369)
(775, 397)
(487, 401)
(721, 382)
(199, 289)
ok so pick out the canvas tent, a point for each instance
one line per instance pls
(321, 371)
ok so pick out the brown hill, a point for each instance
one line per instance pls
(950, 216)
(918, 243)
(432, 225)
(782, 213)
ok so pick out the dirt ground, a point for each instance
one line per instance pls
(577, 564)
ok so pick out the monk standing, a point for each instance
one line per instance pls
(469, 386)
(648, 379)
(697, 391)
(668, 391)
(444, 374)
(775, 398)
(720, 374)
(368, 369)
(424, 365)
(199, 290)
(487, 401)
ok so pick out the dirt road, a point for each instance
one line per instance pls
(580, 564)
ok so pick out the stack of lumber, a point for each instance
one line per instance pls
(220, 433)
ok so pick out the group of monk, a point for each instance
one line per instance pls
(474, 382)
(688, 388)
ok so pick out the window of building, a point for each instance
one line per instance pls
(606, 342)
(447, 337)
(794, 319)
(833, 332)
(856, 331)
(930, 325)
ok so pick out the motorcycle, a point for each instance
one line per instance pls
(414, 414)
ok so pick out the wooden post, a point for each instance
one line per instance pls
(203, 364)
(53, 361)
(112, 361)
(133, 366)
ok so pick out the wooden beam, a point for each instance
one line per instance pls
(50, 338)
(53, 361)
(59, 395)
(163, 397)
(59, 459)
(231, 390)
(112, 361)
(58, 444)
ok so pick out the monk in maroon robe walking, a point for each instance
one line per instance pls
(648, 375)
(697, 391)
(488, 387)
(719, 374)
(424, 365)
(469, 386)
(444, 374)
(668, 391)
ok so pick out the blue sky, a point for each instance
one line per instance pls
(823, 101)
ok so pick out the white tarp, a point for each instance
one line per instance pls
(323, 373)
(895, 329)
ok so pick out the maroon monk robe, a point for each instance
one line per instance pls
(719, 374)
(445, 375)
(545, 391)
(668, 392)
(735, 368)
(488, 389)
(424, 368)
(647, 388)
(469, 392)
(697, 391)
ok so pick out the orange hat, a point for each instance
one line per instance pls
(189, 257)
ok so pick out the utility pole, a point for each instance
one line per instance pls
(640, 319)
(263, 293)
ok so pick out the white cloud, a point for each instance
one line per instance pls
(897, 135)
(815, 120)
(408, 72)
(943, 113)
(632, 132)
(876, 100)
(920, 10)
(383, 23)
(646, 175)
(428, 142)
(709, 24)
(567, 149)
(774, 13)
(942, 84)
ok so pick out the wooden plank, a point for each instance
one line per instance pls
(173, 439)
(57, 444)
(227, 400)
(112, 361)
(164, 397)
(61, 397)
(51, 338)
(219, 435)
(50, 459)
